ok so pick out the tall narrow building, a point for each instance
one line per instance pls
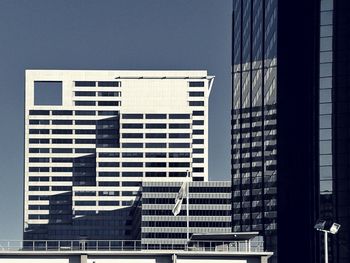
(290, 124)
(93, 137)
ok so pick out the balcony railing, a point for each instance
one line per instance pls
(130, 245)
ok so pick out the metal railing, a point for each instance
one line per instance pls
(130, 245)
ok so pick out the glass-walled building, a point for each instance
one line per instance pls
(310, 113)
(254, 173)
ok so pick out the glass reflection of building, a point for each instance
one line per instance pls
(291, 124)
(254, 118)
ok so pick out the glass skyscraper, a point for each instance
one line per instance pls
(291, 124)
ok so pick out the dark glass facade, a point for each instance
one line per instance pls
(310, 114)
(254, 121)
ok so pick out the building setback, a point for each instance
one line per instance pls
(92, 138)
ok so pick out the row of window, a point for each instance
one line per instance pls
(100, 93)
(183, 224)
(99, 103)
(99, 83)
(68, 112)
(115, 141)
(183, 212)
(161, 116)
(113, 131)
(115, 154)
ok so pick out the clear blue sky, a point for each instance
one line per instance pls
(107, 34)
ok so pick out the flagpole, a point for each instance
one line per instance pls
(188, 207)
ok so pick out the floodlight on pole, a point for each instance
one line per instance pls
(321, 226)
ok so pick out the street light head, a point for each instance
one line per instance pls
(334, 228)
(320, 225)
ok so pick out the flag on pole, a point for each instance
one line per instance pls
(179, 198)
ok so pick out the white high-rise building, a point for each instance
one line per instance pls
(92, 137)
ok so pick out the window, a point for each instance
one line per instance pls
(109, 103)
(155, 135)
(85, 150)
(179, 155)
(85, 131)
(179, 135)
(47, 92)
(108, 203)
(132, 145)
(85, 122)
(62, 160)
(155, 116)
(39, 122)
(39, 131)
(132, 164)
(198, 132)
(132, 116)
(132, 135)
(132, 126)
(155, 174)
(109, 84)
(85, 141)
(179, 164)
(198, 113)
(39, 160)
(108, 174)
(108, 193)
(39, 112)
(196, 83)
(62, 112)
(198, 141)
(85, 83)
(39, 141)
(108, 164)
(39, 169)
(39, 150)
(156, 155)
(156, 164)
(85, 93)
(177, 174)
(38, 178)
(198, 160)
(62, 141)
(132, 174)
(112, 154)
(156, 126)
(198, 170)
(108, 113)
(85, 203)
(85, 103)
(110, 93)
(62, 150)
(134, 184)
(198, 151)
(132, 155)
(179, 116)
(179, 145)
(179, 126)
(197, 122)
(62, 122)
(108, 183)
(61, 131)
(196, 103)
(196, 94)
(155, 145)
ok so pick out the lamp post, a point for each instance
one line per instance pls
(321, 226)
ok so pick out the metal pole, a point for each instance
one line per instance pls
(325, 246)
